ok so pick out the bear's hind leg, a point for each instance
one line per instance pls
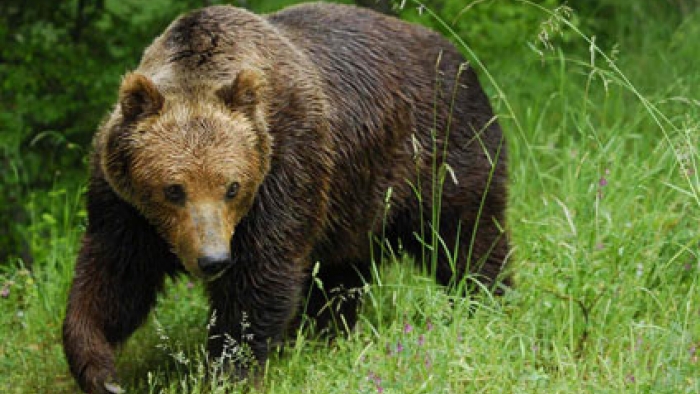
(456, 260)
(475, 254)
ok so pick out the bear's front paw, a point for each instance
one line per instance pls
(113, 387)
(96, 381)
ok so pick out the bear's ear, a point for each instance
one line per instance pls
(245, 91)
(139, 97)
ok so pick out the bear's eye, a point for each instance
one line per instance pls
(174, 194)
(232, 190)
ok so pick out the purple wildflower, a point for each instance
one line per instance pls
(421, 340)
(399, 347)
(407, 328)
(429, 325)
(374, 378)
(603, 182)
(5, 292)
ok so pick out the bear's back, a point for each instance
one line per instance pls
(339, 24)
(377, 71)
(357, 42)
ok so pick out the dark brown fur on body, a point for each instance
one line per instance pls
(314, 112)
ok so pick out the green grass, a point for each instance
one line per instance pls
(604, 209)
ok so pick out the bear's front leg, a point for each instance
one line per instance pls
(112, 293)
(251, 309)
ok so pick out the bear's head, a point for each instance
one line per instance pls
(190, 161)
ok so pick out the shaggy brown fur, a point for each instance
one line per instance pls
(246, 148)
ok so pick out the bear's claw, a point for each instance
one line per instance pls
(113, 388)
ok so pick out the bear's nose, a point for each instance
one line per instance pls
(213, 264)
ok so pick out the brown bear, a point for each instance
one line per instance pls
(246, 149)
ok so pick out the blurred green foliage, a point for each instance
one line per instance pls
(59, 69)
(61, 61)
(495, 29)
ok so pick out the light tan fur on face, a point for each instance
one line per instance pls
(204, 146)
(204, 152)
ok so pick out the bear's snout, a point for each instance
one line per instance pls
(204, 243)
(212, 265)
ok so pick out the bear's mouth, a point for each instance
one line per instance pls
(194, 271)
(214, 277)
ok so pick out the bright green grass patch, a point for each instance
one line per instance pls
(604, 211)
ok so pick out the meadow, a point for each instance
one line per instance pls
(604, 204)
